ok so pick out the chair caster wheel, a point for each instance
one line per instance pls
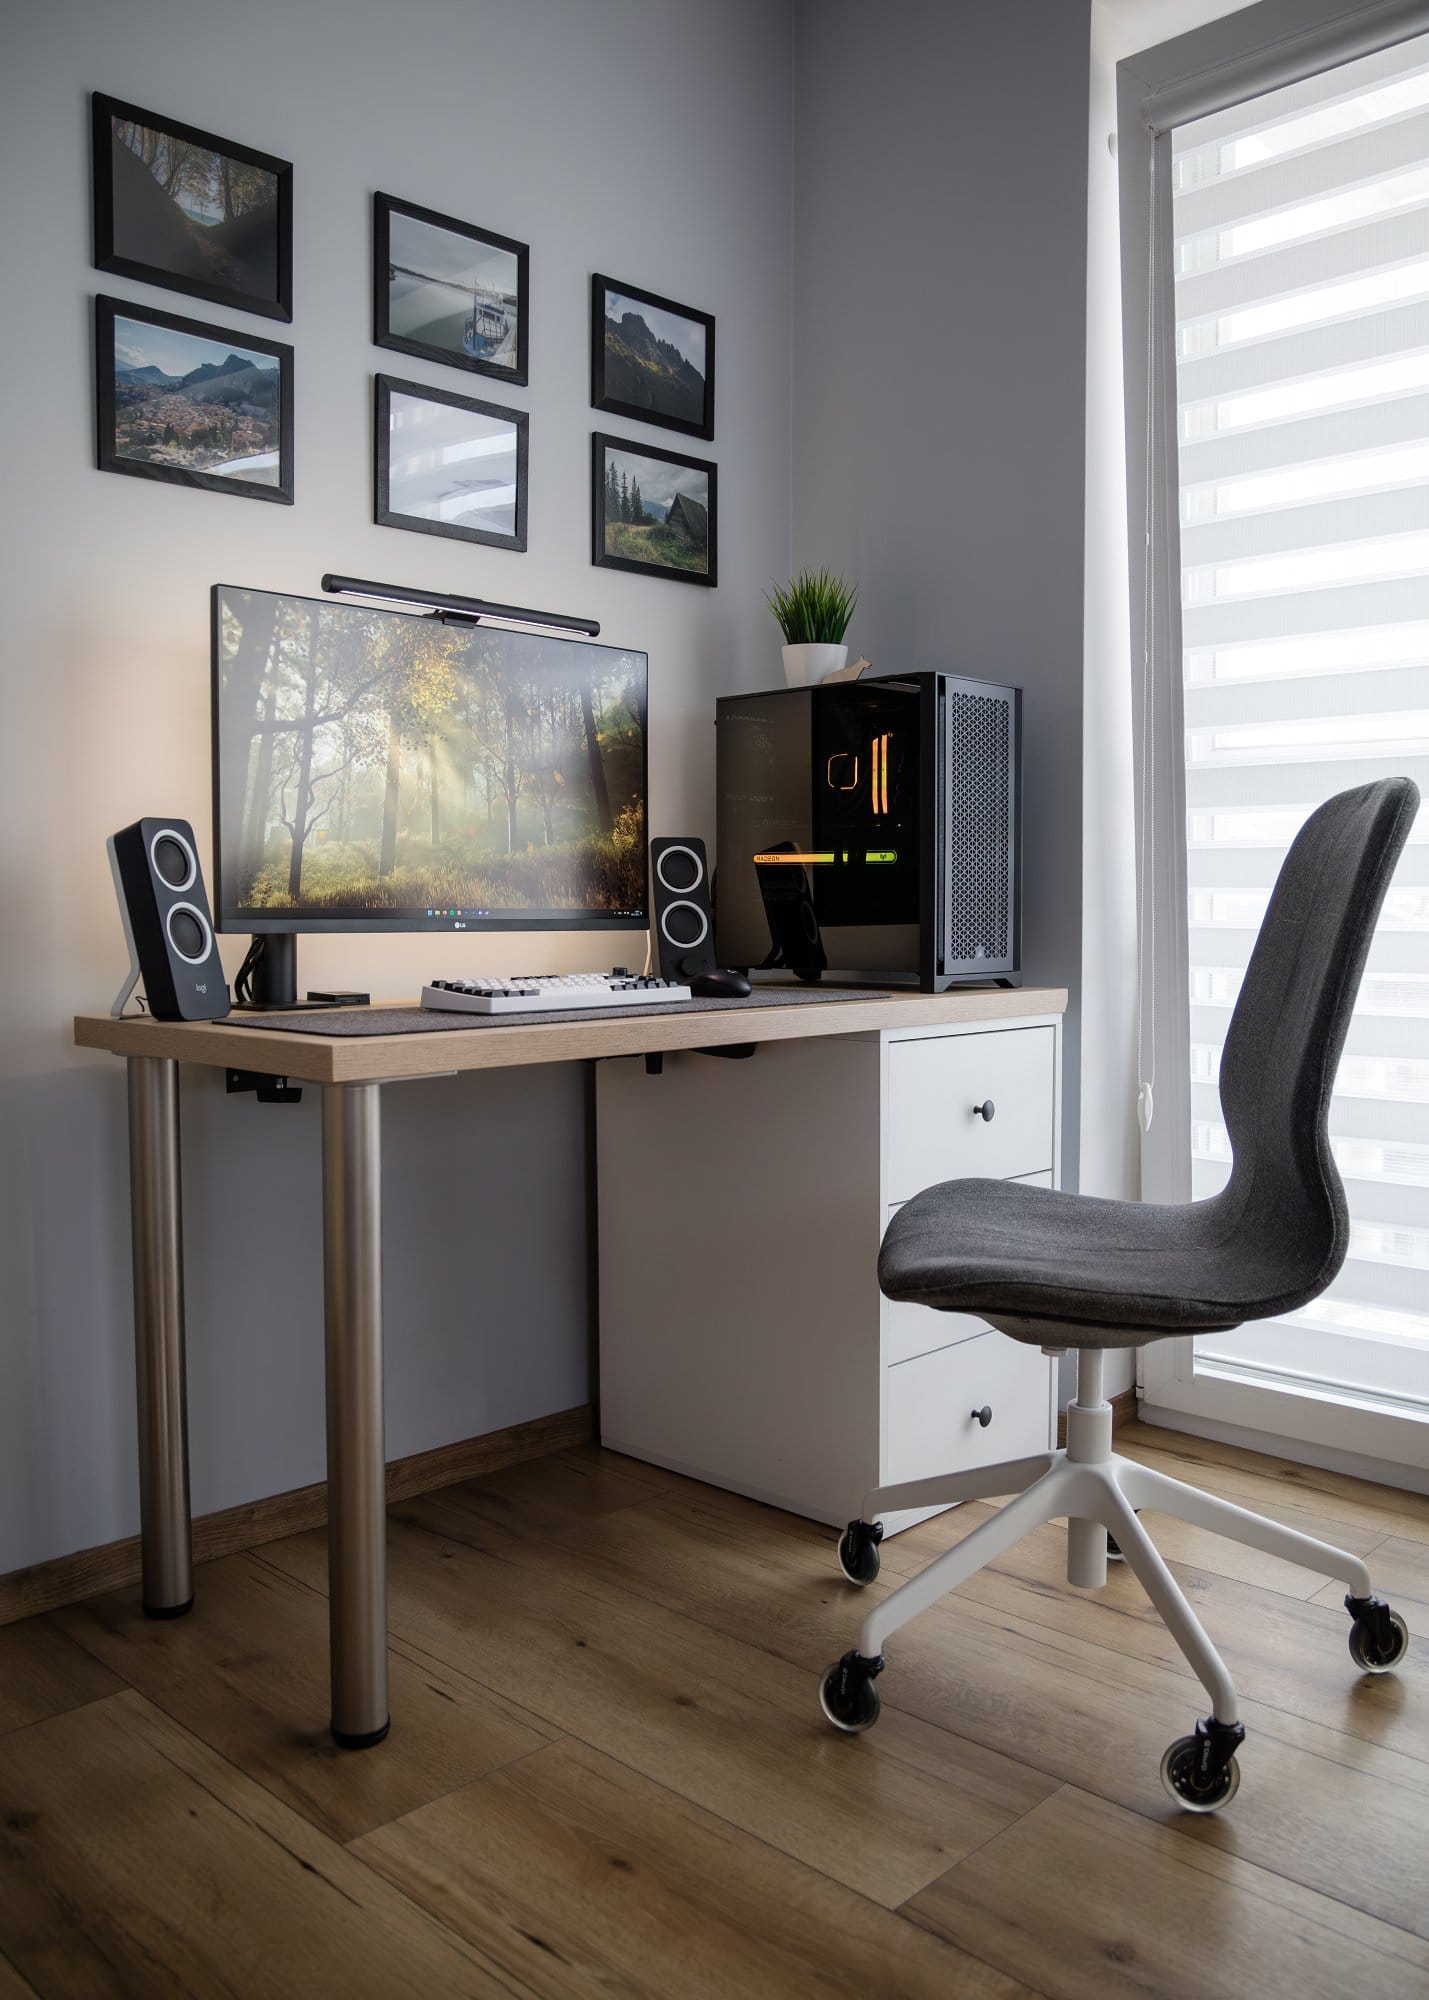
(1379, 1637)
(858, 1550)
(1200, 1772)
(847, 1694)
(1114, 1553)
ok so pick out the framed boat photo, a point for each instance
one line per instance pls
(447, 291)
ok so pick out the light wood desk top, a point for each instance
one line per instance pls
(309, 1058)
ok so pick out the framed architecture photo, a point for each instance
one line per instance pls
(195, 404)
(180, 208)
(651, 359)
(653, 512)
(448, 465)
(448, 291)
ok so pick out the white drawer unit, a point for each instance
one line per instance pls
(961, 1105)
(743, 1338)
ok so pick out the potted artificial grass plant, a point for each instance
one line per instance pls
(813, 613)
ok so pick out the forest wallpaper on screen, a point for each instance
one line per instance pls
(371, 762)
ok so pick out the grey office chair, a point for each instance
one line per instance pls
(1065, 1270)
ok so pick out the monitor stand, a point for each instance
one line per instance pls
(273, 981)
(267, 981)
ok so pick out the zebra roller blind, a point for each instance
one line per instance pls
(1301, 258)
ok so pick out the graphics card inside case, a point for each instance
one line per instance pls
(872, 829)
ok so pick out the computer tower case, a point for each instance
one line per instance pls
(871, 829)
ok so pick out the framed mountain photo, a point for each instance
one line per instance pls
(194, 404)
(655, 513)
(651, 359)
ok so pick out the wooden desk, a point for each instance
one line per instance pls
(351, 1071)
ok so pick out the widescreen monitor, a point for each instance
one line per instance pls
(379, 770)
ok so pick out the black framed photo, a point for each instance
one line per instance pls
(180, 208)
(195, 404)
(449, 465)
(653, 512)
(651, 359)
(448, 291)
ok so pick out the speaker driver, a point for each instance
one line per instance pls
(174, 860)
(684, 924)
(679, 869)
(189, 934)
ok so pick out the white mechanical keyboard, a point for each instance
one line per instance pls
(550, 993)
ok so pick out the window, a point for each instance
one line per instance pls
(1301, 281)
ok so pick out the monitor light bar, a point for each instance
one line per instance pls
(466, 610)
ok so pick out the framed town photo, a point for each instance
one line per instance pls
(198, 405)
(448, 465)
(651, 359)
(180, 208)
(447, 291)
(653, 512)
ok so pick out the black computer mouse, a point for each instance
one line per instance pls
(716, 985)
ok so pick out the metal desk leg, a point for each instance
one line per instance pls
(356, 1455)
(165, 1528)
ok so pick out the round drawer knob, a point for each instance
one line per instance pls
(987, 1111)
(983, 1416)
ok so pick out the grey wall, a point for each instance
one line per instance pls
(940, 226)
(633, 136)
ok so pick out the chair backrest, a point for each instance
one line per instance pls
(1288, 1029)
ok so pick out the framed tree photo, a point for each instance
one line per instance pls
(180, 208)
(449, 465)
(653, 512)
(448, 291)
(194, 404)
(651, 359)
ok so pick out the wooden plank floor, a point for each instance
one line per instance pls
(608, 1774)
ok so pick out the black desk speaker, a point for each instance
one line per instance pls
(684, 916)
(166, 921)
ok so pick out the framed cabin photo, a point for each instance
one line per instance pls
(196, 405)
(449, 465)
(448, 291)
(653, 512)
(651, 359)
(177, 207)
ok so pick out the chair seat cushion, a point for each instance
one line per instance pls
(1125, 1271)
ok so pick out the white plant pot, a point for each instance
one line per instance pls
(803, 665)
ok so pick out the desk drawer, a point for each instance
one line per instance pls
(930, 1401)
(910, 1330)
(934, 1134)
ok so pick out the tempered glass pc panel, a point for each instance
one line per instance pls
(865, 809)
(764, 804)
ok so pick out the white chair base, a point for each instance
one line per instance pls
(1099, 1493)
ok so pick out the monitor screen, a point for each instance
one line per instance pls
(378, 769)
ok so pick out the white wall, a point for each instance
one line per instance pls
(631, 136)
(939, 259)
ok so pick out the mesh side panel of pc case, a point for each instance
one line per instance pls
(981, 757)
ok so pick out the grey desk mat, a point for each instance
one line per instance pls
(421, 1021)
